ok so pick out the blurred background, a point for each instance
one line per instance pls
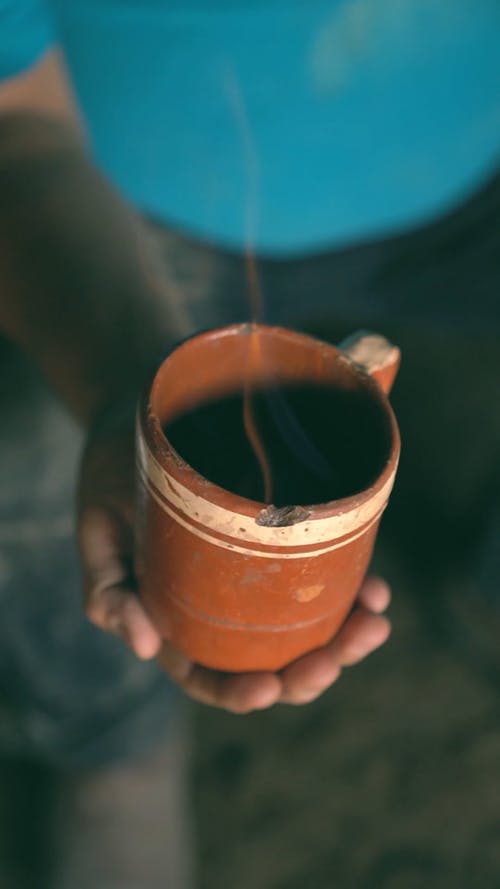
(353, 147)
(391, 778)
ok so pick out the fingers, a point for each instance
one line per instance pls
(362, 634)
(111, 602)
(233, 692)
(375, 594)
(112, 605)
(307, 678)
(117, 610)
(236, 693)
(302, 681)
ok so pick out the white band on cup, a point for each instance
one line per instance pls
(208, 520)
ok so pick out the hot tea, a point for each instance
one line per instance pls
(315, 439)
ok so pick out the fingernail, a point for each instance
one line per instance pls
(305, 697)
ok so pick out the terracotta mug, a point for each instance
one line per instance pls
(234, 585)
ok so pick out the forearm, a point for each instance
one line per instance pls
(77, 288)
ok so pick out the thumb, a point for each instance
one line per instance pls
(111, 600)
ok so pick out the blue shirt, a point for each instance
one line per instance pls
(302, 124)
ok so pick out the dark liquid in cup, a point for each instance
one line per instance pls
(322, 443)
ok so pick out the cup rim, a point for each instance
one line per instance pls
(173, 463)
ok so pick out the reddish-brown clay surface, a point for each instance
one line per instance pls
(229, 592)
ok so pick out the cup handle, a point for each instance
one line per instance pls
(376, 355)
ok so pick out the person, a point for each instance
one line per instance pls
(141, 146)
